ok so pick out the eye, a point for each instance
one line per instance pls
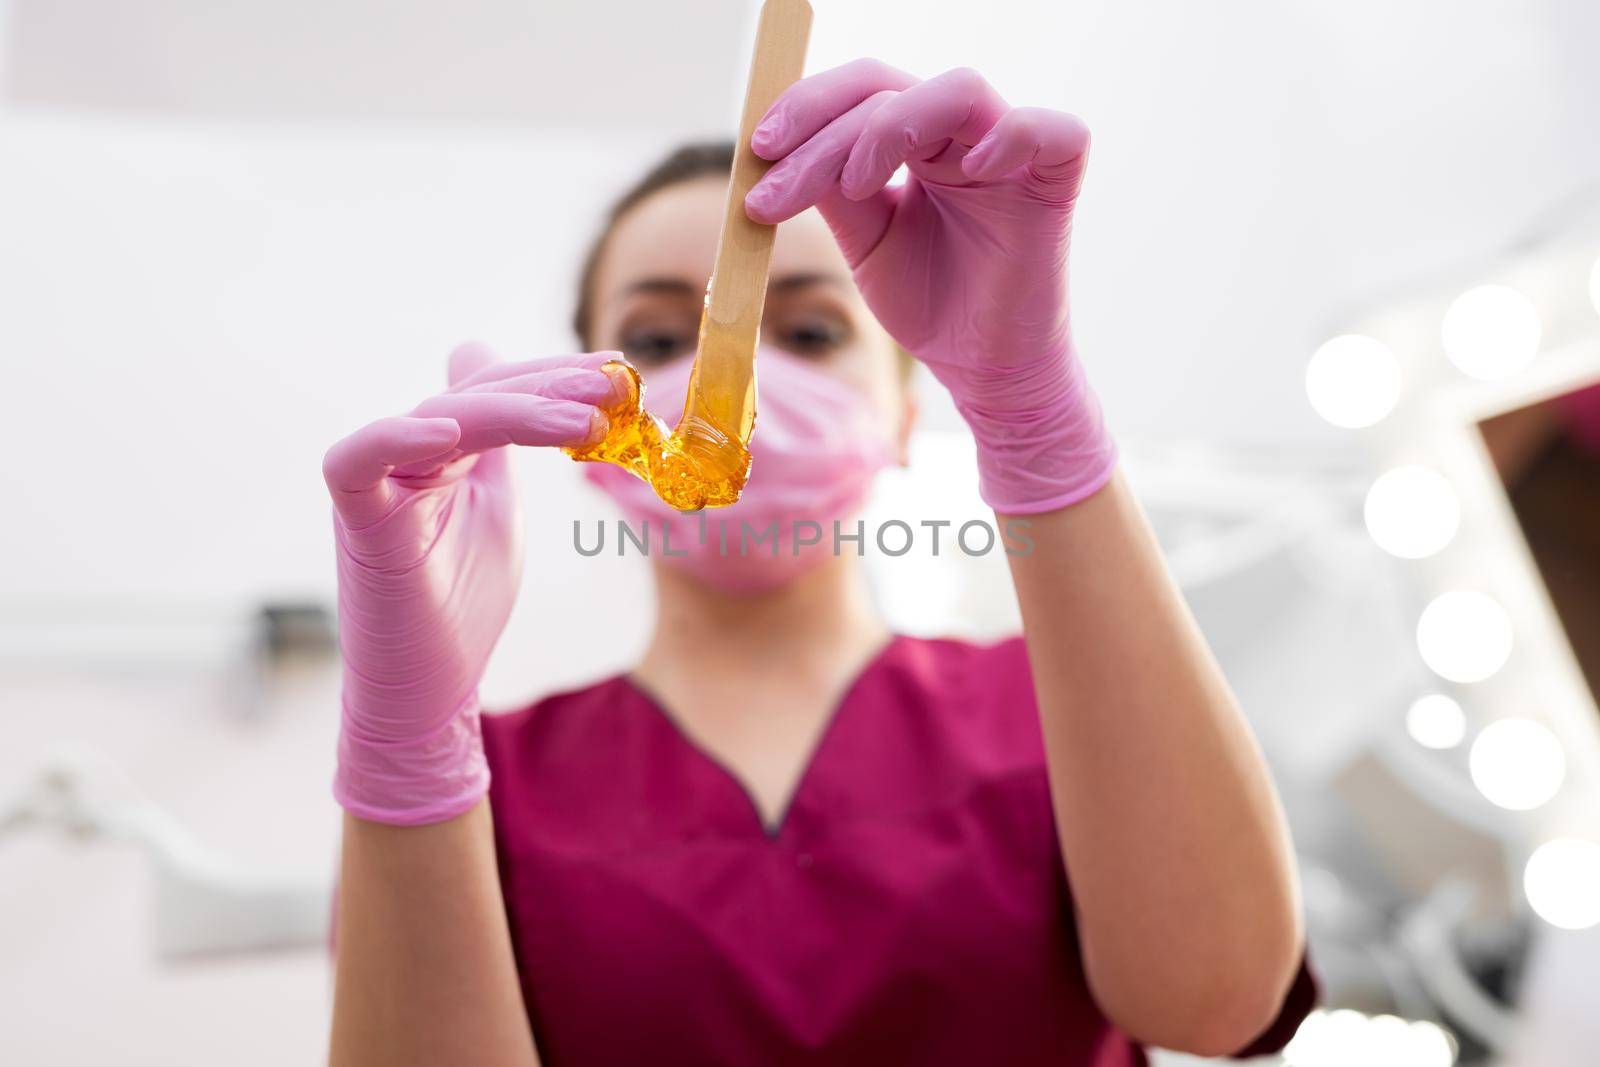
(649, 345)
(813, 335)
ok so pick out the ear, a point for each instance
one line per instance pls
(908, 422)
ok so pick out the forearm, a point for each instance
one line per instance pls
(1180, 863)
(425, 973)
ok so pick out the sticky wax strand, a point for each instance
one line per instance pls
(698, 465)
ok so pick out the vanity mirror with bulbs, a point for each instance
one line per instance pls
(1477, 399)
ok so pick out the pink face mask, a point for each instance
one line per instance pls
(818, 445)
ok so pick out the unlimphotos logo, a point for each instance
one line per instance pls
(891, 537)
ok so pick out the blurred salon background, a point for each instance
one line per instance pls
(1336, 277)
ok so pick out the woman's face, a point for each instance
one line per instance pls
(650, 288)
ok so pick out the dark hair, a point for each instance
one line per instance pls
(686, 163)
(701, 159)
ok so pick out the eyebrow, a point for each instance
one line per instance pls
(667, 286)
(784, 283)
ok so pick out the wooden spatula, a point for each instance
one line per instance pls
(704, 462)
(722, 389)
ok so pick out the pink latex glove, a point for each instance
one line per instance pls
(429, 543)
(965, 264)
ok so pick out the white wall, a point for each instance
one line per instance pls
(194, 313)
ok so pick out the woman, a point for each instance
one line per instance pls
(788, 836)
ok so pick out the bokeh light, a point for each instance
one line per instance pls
(1353, 381)
(1464, 635)
(1491, 332)
(1412, 512)
(1562, 882)
(1436, 721)
(1344, 1037)
(1517, 763)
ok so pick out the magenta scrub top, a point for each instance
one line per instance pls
(910, 908)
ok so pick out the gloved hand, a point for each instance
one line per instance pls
(428, 538)
(965, 264)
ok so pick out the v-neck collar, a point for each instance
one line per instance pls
(808, 767)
